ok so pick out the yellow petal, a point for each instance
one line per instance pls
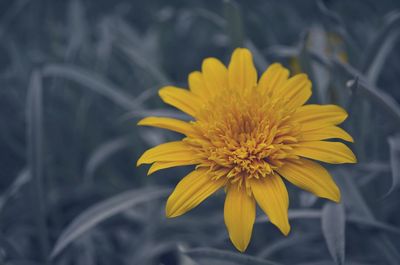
(172, 151)
(326, 133)
(197, 85)
(273, 78)
(297, 90)
(329, 152)
(191, 191)
(239, 215)
(312, 177)
(215, 75)
(319, 116)
(169, 124)
(271, 195)
(181, 99)
(242, 73)
(163, 165)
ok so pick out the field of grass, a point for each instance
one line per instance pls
(76, 76)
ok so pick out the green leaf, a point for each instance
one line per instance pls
(354, 200)
(103, 210)
(206, 256)
(296, 214)
(234, 23)
(381, 46)
(333, 228)
(394, 144)
(92, 81)
(102, 153)
(35, 136)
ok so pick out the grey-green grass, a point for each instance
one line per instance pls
(77, 75)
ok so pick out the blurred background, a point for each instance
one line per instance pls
(77, 75)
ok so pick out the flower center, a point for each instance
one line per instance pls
(244, 135)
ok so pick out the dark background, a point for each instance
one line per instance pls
(76, 76)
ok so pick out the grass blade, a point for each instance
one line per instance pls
(355, 200)
(34, 117)
(234, 23)
(380, 47)
(143, 63)
(92, 81)
(103, 210)
(210, 256)
(103, 152)
(351, 219)
(394, 144)
(23, 178)
(333, 228)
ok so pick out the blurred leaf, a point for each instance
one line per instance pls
(9, 249)
(374, 224)
(328, 262)
(365, 89)
(138, 59)
(354, 200)
(333, 228)
(102, 153)
(103, 210)
(22, 262)
(92, 81)
(11, 13)
(286, 243)
(336, 24)
(307, 199)
(317, 42)
(205, 256)
(380, 47)
(259, 59)
(35, 136)
(142, 113)
(23, 177)
(149, 251)
(77, 28)
(295, 214)
(394, 144)
(283, 51)
(381, 98)
(234, 23)
(210, 16)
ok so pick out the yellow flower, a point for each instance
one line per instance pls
(245, 136)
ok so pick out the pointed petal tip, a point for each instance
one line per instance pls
(352, 158)
(338, 196)
(349, 139)
(141, 160)
(240, 245)
(142, 122)
(276, 65)
(162, 91)
(285, 230)
(241, 248)
(170, 213)
(242, 50)
(335, 197)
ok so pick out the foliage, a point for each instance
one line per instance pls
(77, 75)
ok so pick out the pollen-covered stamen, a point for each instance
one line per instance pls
(247, 135)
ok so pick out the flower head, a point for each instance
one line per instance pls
(246, 135)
